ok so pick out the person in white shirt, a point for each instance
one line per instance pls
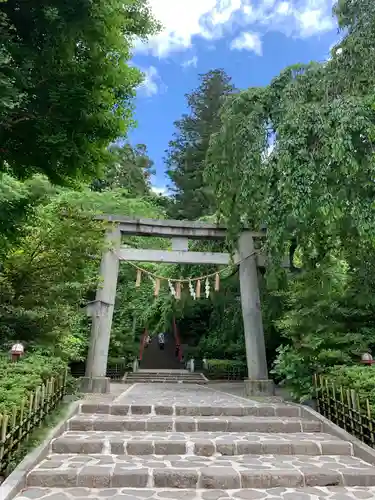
(161, 340)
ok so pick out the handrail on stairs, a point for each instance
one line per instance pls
(142, 344)
(177, 339)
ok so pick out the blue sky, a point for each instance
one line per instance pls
(252, 40)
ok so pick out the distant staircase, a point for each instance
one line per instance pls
(154, 358)
(164, 376)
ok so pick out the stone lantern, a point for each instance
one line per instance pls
(367, 359)
(17, 351)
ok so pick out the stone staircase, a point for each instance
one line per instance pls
(164, 376)
(189, 443)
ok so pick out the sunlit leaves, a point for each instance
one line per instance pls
(66, 88)
(315, 185)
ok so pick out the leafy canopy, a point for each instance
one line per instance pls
(298, 156)
(66, 87)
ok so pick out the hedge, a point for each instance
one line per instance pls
(225, 369)
(359, 378)
(18, 379)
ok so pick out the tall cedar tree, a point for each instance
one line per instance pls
(186, 155)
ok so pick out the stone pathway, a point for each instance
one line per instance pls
(191, 442)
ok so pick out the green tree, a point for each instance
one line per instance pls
(65, 86)
(51, 270)
(328, 320)
(316, 183)
(187, 151)
(315, 187)
(130, 168)
(18, 202)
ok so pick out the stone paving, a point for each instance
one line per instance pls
(201, 443)
(186, 394)
(309, 493)
(260, 410)
(191, 442)
(190, 471)
(184, 377)
(192, 424)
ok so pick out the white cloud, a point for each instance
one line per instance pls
(283, 8)
(312, 20)
(213, 19)
(248, 41)
(151, 83)
(190, 62)
(159, 190)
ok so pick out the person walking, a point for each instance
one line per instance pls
(161, 341)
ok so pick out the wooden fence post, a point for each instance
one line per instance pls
(3, 433)
(21, 423)
(370, 422)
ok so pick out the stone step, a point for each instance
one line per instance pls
(100, 422)
(167, 377)
(189, 471)
(172, 374)
(172, 379)
(139, 379)
(312, 493)
(200, 443)
(143, 380)
(262, 410)
(186, 376)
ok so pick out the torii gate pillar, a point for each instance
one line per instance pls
(95, 379)
(257, 383)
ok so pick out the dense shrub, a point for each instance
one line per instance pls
(225, 369)
(359, 378)
(17, 380)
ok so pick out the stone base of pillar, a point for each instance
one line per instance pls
(96, 385)
(259, 387)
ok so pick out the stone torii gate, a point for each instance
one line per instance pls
(179, 232)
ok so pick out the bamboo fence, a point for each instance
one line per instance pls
(17, 426)
(346, 409)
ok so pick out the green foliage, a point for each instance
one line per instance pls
(224, 369)
(327, 321)
(187, 151)
(66, 88)
(212, 327)
(21, 378)
(17, 202)
(313, 190)
(359, 378)
(318, 172)
(130, 168)
(47, 274)
(235, 166)
(51, 271)
(315, 184)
